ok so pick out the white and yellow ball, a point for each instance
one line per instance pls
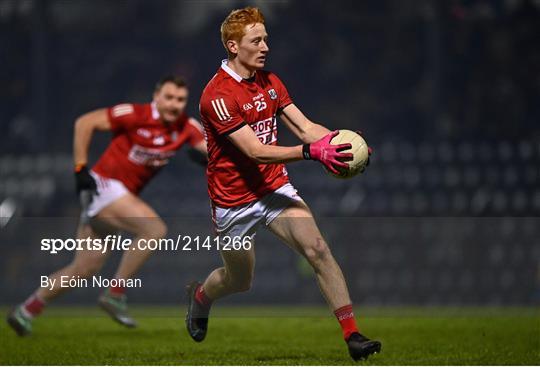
(359, 151)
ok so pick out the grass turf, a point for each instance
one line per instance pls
(278, 336)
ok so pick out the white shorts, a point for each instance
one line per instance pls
(108, 190)
(244, 220)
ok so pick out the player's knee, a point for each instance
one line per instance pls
(156, 229)
(161, 229)
(318, 252)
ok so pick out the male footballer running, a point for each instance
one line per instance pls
(145, 137)
(247, 179)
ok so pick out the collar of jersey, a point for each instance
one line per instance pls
(155, 112)
(230, 71)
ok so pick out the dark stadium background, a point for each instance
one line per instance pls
(446, 92)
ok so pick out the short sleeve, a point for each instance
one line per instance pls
(122, 116)
(195, 131)
(222, 113)
(283, 94)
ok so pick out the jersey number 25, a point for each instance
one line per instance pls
(260, 105)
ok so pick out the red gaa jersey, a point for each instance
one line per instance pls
(142, 144)
(228, 103)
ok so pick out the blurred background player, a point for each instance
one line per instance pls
(248, 182)
(145, 137)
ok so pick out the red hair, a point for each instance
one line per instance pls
(233, 27)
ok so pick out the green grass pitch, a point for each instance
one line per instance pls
(278, 336)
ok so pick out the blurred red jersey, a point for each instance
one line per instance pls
(142, 144)
(228, 103)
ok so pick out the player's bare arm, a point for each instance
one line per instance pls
(322, 150)
(305, 129)
(198, 153)
(246, 140)
(84, 129)
(202, 148)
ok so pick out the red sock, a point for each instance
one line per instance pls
(201, 297)
(345, 316)
(33, 306)
(117, 291)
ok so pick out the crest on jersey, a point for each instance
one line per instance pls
(272, 93)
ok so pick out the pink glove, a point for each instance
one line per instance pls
(326, 153)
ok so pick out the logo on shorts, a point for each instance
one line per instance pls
(272, 93)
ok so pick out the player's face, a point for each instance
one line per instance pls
(171, 101)
(253, 47)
